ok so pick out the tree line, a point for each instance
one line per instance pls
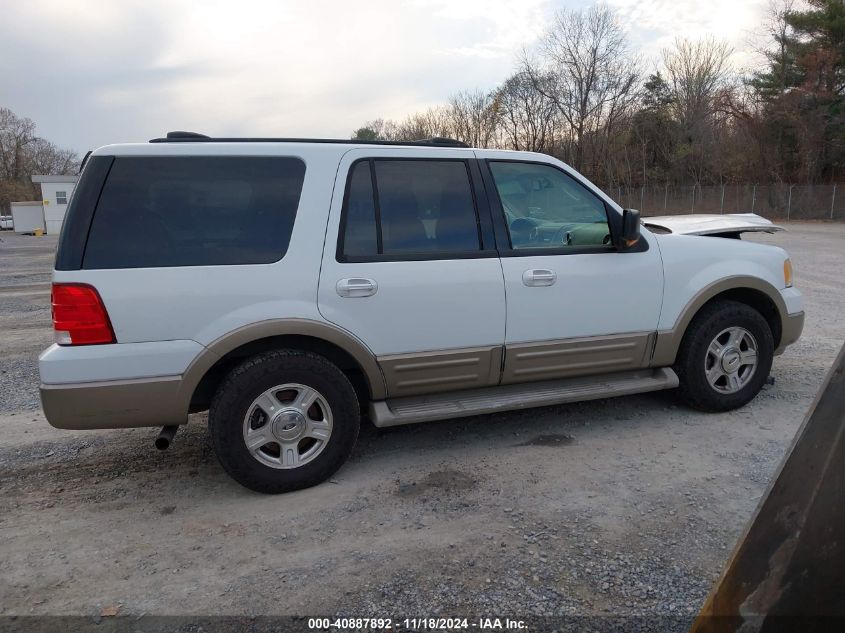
(22, 154)
(582, 95)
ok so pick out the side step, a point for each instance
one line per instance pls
(457, 404)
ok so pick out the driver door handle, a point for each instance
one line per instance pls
(356, 287)
(539, 277)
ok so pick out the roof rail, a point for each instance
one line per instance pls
(194, 137)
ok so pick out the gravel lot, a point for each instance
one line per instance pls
(625, 506)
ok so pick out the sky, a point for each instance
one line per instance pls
(93, 72)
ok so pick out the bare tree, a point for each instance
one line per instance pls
(698, 74)
(527, 117)
(432, 122)
(22, 154)
(370, 131)
(44, 157)
(16, 133)
(585, 68)
(474, 117)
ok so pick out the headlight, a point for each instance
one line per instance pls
(787, 272)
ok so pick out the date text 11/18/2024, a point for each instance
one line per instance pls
(417, 624)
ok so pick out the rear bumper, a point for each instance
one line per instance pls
(116, 386)
(115, 404)
(792, 326)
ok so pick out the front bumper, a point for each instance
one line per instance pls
(791, 327)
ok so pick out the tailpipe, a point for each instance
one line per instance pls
(165, 437)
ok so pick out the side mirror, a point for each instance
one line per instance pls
(630, 228)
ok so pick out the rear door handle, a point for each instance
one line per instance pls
(356, 287)
(539, 277)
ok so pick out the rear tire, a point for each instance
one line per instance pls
(284, 420)
(725, 357)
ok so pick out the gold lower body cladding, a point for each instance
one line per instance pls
(469, 368)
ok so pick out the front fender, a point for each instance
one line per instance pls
(697, 269)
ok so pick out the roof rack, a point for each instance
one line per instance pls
(194, 137)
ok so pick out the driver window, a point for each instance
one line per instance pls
(546, 208)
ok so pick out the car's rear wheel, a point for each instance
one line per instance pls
(725, 357)
(284, 420)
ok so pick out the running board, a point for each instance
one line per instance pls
(457, 404)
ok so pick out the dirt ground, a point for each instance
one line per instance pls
(625, 506)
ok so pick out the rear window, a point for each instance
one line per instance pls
(194, 211)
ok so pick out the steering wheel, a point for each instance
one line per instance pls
(524, 231)
(563, 236)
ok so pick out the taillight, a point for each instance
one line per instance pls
(79, 316)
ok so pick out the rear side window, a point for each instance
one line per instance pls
(194, 211)
(397, 209)
(361, 236)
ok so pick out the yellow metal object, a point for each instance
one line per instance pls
(38, 232)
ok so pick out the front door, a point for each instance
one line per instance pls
(577, 304)
(410, 268)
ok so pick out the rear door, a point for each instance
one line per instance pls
(410, 267)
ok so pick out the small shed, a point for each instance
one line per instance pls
(27, 216)
(55, 194)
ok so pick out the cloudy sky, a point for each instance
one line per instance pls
(96, 72)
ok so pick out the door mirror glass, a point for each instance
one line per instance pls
(630, 227)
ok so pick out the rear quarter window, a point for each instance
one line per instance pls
(194, 211)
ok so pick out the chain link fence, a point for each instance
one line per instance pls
(773, 201)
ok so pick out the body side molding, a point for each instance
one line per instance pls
(445, 370)
(546, 360)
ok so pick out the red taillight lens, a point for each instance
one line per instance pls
(79, 316)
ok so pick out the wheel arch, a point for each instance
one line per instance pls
(752, 291)
(206, 372)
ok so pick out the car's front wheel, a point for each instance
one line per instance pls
(284, 420)
(725, 356)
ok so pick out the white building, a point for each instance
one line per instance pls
(55, 194)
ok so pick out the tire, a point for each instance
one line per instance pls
(306, 442)
(707, 379)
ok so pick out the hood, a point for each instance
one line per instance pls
(703, 224)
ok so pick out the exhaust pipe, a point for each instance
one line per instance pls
(165, 437)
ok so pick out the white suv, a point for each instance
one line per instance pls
(288, 285)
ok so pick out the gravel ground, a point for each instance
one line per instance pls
(25, 326)
(609, 508)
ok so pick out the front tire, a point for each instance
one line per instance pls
(284, 420)
(725, 357)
